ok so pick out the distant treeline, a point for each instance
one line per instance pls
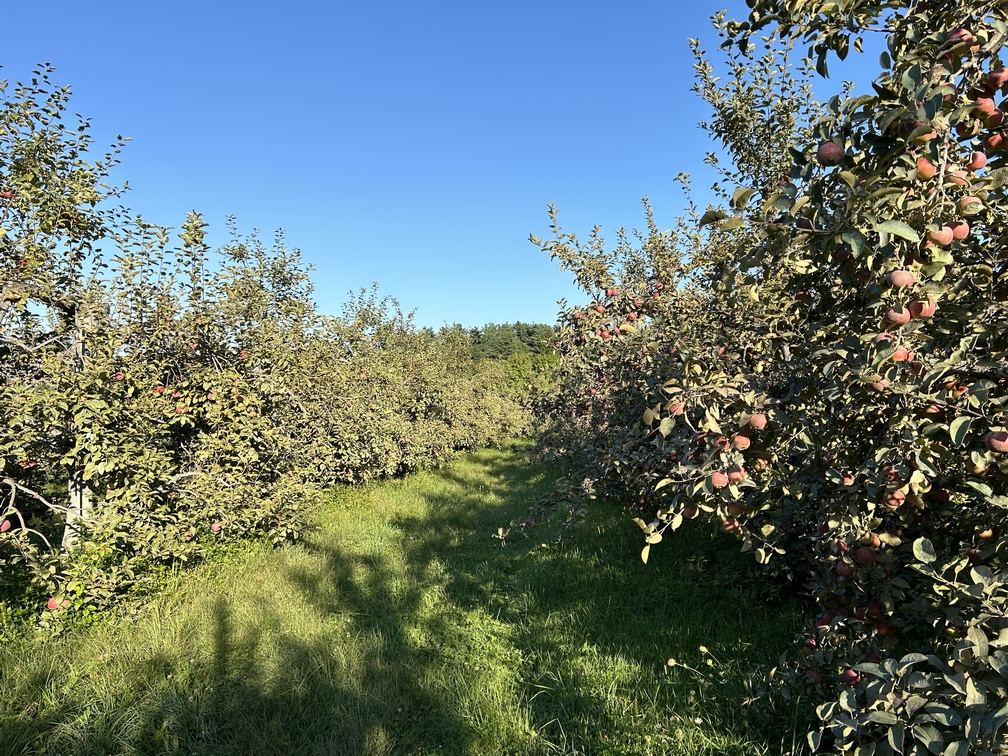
(500, 341)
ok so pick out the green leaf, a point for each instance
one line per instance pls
(732, 223)
(924, 551)
(898, 228)
(883, 717)
(741, 196)
(959, 428)
(712, 216)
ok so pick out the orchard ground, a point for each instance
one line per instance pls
(402, 625)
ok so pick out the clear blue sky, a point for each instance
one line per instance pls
(412, 144)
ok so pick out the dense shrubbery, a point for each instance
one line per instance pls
(818, 365)
(165, 399)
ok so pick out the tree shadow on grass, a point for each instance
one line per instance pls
(440, 639)
(586, 624)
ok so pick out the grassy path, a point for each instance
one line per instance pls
(401, 626)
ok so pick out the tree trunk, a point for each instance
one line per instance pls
(79, 508)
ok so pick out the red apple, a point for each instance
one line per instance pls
(845, 569)
(897, 316)
(216, 527)
(995, 120)
(53, 604)
(865, 555)
(997, 441)
(992, 142)
(5, 526)
(902, 354)
(830, 153)
(895, 499)
(719, 480)
(899, 279)
(920, 309)
(960, 229)
(925, 168)
(998, 77)
(741, 442)
(985, 107)
(942, 237)
(977, 161)
(758, 421)
(850, 677)
(736, 473)
(814, 676)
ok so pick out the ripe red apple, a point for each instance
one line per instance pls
(729, 525)
(811, 643)
(942, 237)
(995, 120)
(119, 376)
(985, 108)
(842, 546)
(925, 168)
(159, 389)
(993, 142)
(52, 604)
(849, 479)
(736, 509)
(960, 36)
(850, 677)
(894, 499)
(967, 129)
(216, 527)
(632, 316)
(865, 555)
(885, 628)
(997, 441)
(845, 569)
(998, 77)
(920, 309)
(960, 229)
(902, 354)
(882, 338)
(897, 316)
(830, 153)
(758, 421)
(879, 386)
(719, 480)
(934, 412)
(977, 161)
(5, 526)
(736, 473)
(741, 442)
(875, 611)
(899, 279)
(689, 511)
(599, 308)
(814, 676)
(824, 621)
(959, 178)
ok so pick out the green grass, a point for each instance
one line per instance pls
(402, 626)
